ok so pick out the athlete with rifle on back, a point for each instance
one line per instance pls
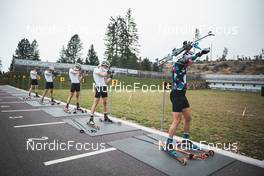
(180, 104)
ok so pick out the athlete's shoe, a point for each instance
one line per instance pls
(67, 110)
(41, 102)
(106, 119)
(91, 122)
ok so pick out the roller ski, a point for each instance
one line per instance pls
(107, 120)
(189, 145)
(82, 128)
(67, 110)
(76, 110)
(53, 102)
(26, 98)
(190, 155)
(172, 153)
(91, 124)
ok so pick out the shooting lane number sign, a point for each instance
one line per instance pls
(62, 79)
(167, 85)
(114, 82)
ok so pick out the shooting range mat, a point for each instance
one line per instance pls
(58, 111)
(151, 155)
(105, 128)
(46, 104)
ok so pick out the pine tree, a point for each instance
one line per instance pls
(92, 58)
(34, 51)
(146, 64)
(63, 58)
(73, 51)
(23, 50)
(122, 42)
(111, 42)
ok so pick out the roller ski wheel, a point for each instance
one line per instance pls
(204, 156)
(97, 127)
(67, 110)
(183, 161)
(110, 122)
(81, 131)
(26, 98)
(211, 153)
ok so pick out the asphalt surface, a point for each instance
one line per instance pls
(17, 158)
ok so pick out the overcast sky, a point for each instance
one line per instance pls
(162, 25)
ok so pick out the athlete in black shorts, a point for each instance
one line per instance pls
(34, 75)
(102, 77)
(75, 77)
(49, 77)
(180, 104)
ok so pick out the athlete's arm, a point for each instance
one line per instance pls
(107, 80)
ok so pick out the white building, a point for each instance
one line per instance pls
(251, 83)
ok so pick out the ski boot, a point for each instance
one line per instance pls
(92, 124)
(106, 119)
(67, 110)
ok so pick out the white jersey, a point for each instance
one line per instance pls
(74, 76)
(98, 79)
(33, 74)
(48, 76)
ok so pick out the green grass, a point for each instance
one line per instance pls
(216, 115)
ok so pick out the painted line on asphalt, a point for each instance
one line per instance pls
(47, 163)
(11, 102)
(21, 110)
(38, 124)
(8, 97)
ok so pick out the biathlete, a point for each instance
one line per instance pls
(34, 76)
(49, 75)
(102, 77)
(180, 104)
(75, 78)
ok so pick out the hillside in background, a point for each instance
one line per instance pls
(228, 67)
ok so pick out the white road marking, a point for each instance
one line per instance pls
(15, 117)
(47, 163)
(8, 97)
(4, 106)
(11, 102)
(43, 138)
(38, 124)
(21, 110)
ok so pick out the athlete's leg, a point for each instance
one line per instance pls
(187, 121)
(176, 117)
(95, 103)
(51, 94)
(78, 99)
(105, 105)
(36, 90)
(44, 94)
(30, 90)
(69, 99)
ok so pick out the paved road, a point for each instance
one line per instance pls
(18, 126)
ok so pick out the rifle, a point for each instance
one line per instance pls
(177, 52)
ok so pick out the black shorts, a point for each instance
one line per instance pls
(49, 85)
(75, 87)
(34, 82)
(100, 91)
(179, 100)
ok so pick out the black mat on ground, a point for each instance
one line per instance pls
(59, 112)
(151, 155)
(105, 128)
(45, 104)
